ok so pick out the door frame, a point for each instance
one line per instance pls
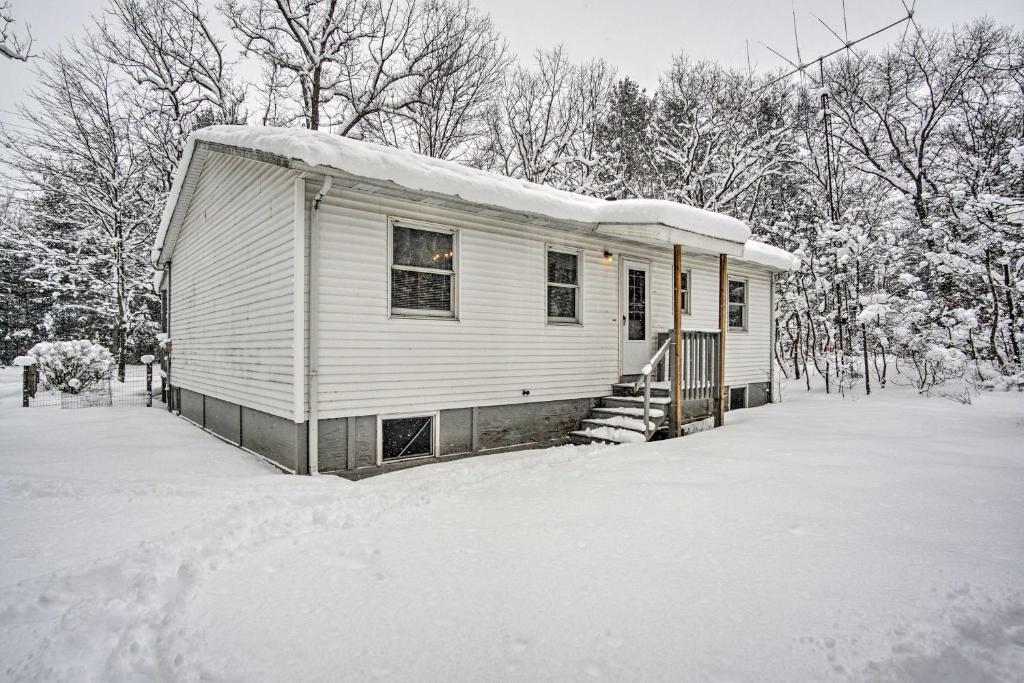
(622, 296)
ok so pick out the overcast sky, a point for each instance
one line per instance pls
(638, 37)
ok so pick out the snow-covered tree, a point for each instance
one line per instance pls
(171, 50)
(449, 121)
(718, 134)
(12, 44)
(343, 61)
(544, 128)
(90, 222)
(625, 144)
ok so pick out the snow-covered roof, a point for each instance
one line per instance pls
(769, 256)
(419, 173)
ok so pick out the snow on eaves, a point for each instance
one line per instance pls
(420, 173)
(769, 256)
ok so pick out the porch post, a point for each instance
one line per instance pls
(677, 341)
(723, 327)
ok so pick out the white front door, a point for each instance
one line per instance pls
(634, 302)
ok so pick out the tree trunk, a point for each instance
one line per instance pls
(993, 334)
(867, 370)
(1014, 345)
(796, 349)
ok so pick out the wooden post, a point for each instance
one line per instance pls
(25, 369)
(149, 384)
(723, 327)
(677, 337)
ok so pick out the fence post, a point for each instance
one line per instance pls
(148, 360)
(28, 369)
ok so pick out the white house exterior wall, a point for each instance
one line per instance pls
(232, 287)
(501, 345)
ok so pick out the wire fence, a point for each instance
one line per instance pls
(108, 392)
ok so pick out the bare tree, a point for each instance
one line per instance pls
(12, 45)
(544, 128)
(449, 121)
(350, 59)
(170, 50)
(86, 168)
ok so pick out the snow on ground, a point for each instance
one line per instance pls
(819, 539)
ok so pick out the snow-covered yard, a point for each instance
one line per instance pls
(818, 539)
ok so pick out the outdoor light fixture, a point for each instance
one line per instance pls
(607, 256)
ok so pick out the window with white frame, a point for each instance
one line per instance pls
(685, 280)
(738, 304)
(563, 284)
(406, 437)
(423, 268)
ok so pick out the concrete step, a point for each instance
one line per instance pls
(611, 435)
(634, 401)
(629, 389)
(638, 412)
(635, 424)
(579, 438)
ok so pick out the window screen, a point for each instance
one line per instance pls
(563, 285)
(737, 304)
(407, 437)
(422, 271)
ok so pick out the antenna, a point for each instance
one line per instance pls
(801, 67)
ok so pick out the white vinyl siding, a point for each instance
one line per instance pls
(232, 286)
(501, 344)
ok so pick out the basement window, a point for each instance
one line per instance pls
(423, 262)
(563, 285)
(407, 437)
(737, 398)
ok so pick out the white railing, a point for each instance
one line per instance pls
(698, 378)
(645, 379)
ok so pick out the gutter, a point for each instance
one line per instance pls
(313, 444)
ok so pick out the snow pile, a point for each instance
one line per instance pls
(72, 367)
(426, 174)
(819, 539)
(624, 422)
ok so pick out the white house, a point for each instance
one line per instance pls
(337, 306)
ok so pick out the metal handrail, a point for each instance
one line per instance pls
(646, 379)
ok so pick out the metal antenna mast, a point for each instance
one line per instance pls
(801, 67)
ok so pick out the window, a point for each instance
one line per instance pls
(563, 285)
(737, 304)
(685, 277)
(636, 304)
(423, 261)
(737, 398)
(406, 437)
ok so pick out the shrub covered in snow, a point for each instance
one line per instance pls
(72, 366)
